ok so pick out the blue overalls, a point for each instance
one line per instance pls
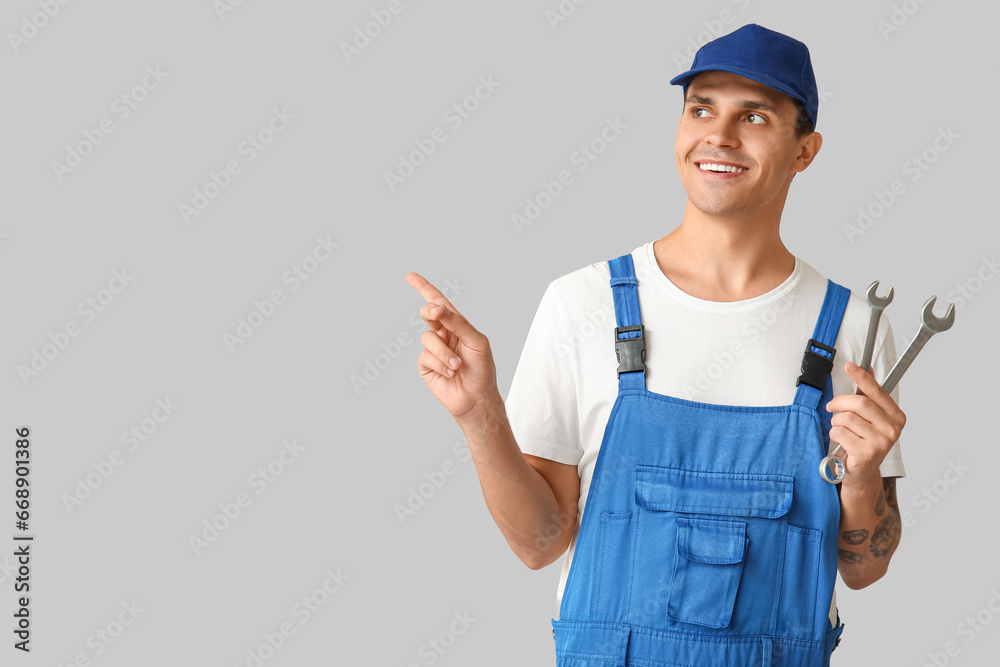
(708, 538)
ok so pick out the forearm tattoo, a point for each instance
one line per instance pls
(886, 533)
(889, 487)
(855, 536)
(883, 538)
(849, 556)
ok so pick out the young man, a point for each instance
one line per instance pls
(676, 456)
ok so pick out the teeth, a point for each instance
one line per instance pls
(720, 168)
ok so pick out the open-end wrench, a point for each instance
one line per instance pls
(930, 324)
(876, 305)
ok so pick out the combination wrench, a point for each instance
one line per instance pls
(930, 324)
(876, 305)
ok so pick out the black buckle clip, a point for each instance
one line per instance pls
(816, 367)
(631, 352)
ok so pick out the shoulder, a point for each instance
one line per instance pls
(854, 326)
(578, 305)
(588, 285)
(855, 312)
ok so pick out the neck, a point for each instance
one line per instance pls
(725, 258)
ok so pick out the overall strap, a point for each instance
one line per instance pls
(630, 341)
(815, 387)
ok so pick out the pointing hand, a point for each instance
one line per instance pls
(456, 363)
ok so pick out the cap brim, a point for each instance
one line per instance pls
(760, 77)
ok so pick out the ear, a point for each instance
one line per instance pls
(809, 146)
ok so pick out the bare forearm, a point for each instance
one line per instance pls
(870, 528)
(522, 503)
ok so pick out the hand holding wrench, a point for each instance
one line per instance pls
(876, 305)
(929, 325)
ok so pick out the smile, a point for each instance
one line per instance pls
(721, 168)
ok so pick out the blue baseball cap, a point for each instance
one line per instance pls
(766, 56)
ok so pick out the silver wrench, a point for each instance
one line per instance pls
(930, 324)
(876, 305)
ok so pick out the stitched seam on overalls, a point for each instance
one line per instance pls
(717, 407)
(725, 639)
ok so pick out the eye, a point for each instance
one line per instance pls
(757, 119)
(701, 112)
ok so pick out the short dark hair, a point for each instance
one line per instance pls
(803, 125)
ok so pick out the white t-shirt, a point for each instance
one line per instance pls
(729, 353)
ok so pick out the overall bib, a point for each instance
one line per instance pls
(708, 538)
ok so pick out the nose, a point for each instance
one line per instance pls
(723, 134)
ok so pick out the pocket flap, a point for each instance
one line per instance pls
(731, 494)
(708, 541)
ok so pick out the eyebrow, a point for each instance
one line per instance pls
(755, 105)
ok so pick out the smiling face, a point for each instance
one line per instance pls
(737, 148)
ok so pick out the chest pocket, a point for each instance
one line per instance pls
(702, 538)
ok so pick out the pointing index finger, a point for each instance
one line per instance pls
(428, 291)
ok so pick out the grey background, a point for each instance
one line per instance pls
(365, 449)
